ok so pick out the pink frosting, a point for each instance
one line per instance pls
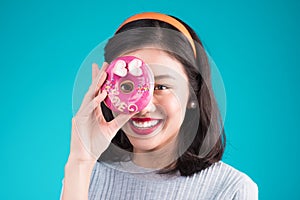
(129, 85)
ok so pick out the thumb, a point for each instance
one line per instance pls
(119, 121)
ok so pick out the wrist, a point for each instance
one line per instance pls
(77, 179)
(79, 164)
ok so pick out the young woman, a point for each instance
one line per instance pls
(171, 149)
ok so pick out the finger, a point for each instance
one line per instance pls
(101, 71)
(100, 83)
(101, 79)
(101, 76)
(104, 66)
(101, 96)
(98, 111)
(94, 104)
(95, 71)
(91, 93)
(119, 121)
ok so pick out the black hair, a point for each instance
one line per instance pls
(208, 143)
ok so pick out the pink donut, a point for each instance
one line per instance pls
(129, 85)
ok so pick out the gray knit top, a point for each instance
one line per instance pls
(125, 180)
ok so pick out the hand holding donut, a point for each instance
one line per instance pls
(91, 133)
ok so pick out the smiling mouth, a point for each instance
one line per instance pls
(144, 126)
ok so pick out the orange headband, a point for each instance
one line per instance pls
(165, 18)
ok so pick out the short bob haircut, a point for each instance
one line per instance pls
(208, 144)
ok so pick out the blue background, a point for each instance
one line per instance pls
(43, 43)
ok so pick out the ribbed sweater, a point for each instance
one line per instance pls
(126, 180)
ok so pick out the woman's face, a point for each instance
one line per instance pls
(158, 124)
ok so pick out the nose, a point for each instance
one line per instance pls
(148, 109)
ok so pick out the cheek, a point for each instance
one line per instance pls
(171, 105)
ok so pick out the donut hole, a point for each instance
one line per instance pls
(126, 86)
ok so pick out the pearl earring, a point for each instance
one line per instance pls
(193, 105)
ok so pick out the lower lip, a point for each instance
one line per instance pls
(145, 131)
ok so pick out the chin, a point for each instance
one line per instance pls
(142, 145)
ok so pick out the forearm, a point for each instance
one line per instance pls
(77, 180)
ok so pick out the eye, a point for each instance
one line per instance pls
(160, 87)
(127, 86)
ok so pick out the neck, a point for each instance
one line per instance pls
(156, 158)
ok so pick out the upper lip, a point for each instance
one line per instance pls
(145, 119)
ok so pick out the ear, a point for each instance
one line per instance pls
(95, 71)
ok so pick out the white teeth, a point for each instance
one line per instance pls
(145, 124)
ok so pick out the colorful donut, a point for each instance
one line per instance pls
(129, 85)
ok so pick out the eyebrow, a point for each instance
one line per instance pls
(164, 77)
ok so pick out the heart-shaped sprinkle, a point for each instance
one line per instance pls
(134, 67)
(119, 68)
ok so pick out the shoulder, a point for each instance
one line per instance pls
(244, 186)
(224, 179)
(229, 173)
